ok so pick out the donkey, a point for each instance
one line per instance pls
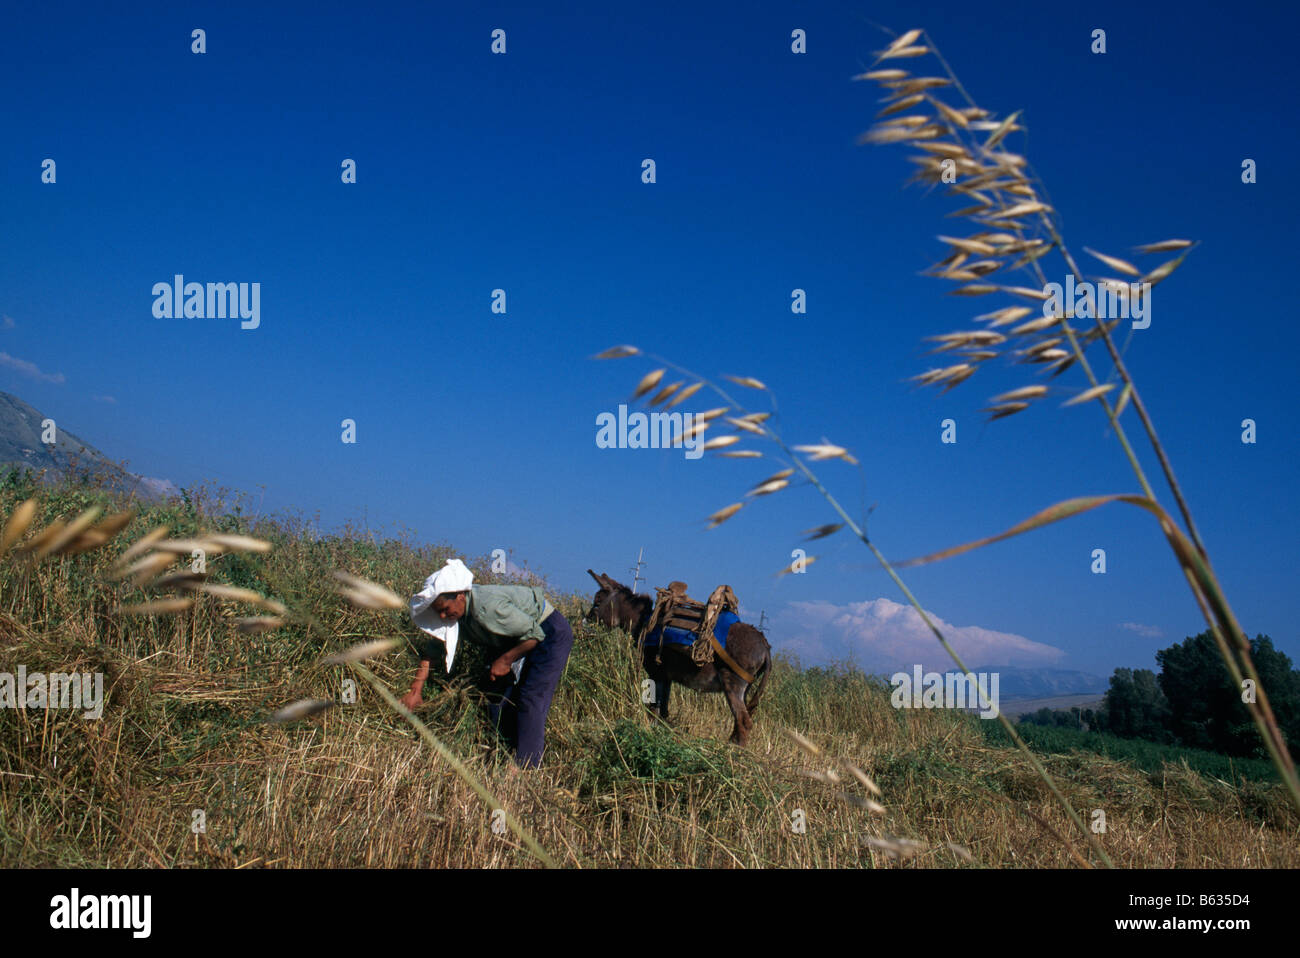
(618, 607)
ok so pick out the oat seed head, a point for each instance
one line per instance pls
(648, 382)
(258, 623)
(821, 532)
(145, 568)
(1164, 246)
(300, 709)
(1089, 394)
(720, 442)
(142, 544)
(804, 563)
(367, 594)
(685, 394)
(617, 352)
(722, 515)
(359, 653)
(664, 393)
(865, 779)
(1024, 392)
(19, 522)
(235, 543)
(768, 487)
(157, 607)
(803, 742)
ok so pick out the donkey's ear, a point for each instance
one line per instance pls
(596, 577)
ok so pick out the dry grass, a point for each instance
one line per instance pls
(354, 785)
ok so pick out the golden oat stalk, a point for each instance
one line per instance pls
(1010, 206)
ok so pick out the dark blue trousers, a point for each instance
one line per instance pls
(520, 713)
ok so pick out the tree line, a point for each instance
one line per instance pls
(1192, 701)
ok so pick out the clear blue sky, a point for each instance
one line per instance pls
(522, 172)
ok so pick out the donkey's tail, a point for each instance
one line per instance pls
(759, 683)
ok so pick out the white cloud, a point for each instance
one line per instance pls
(107, 399)
(6, 322)
(1146, 631)
(881, 635)
(29, 369)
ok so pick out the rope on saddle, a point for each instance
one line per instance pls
(721, 600)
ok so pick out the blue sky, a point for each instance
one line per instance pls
(522, 172)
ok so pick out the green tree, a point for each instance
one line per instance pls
(1206, 709)
(1282, 683)
(1135, 706)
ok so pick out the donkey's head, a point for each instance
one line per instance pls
(615, 606)
(597, 612)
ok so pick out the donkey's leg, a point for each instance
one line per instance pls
(734, 686)
(663, 689)
(657, 707)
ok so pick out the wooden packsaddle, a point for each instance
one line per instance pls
(674, 609)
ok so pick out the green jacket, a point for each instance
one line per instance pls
(499, 617)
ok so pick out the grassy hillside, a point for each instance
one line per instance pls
(184, 730)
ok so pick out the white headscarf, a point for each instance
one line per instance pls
(455, 576)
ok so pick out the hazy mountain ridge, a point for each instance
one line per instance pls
(21, 446)
(1015, 682)
(1021, 683)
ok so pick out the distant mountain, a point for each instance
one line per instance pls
(20, 445)
(1021, 683)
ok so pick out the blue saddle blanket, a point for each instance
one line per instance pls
(671, 636)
